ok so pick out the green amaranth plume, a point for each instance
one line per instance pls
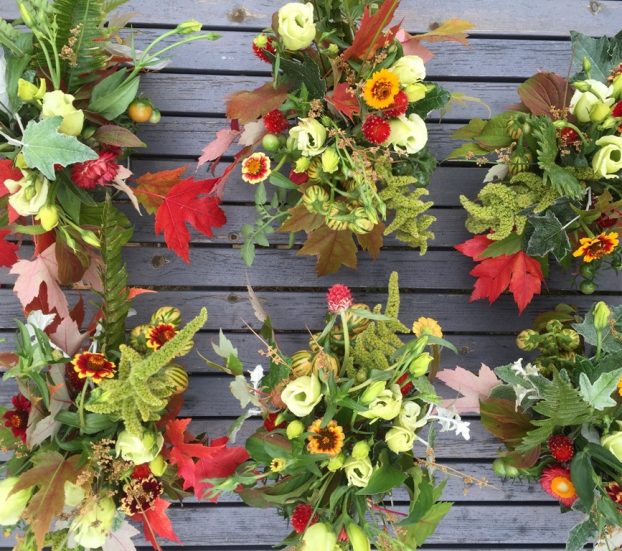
(141, 391)
(374, 347)
(501, 205)
(410, 224)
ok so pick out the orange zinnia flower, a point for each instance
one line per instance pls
(380, 90)
(160, 334)
(325, 440)
(593, 248)
(556, 482)
(256, 168)
(93, 365)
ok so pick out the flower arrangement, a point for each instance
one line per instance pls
(559, 416)
(69, 106)
(340, 422)
(339, 133)
(93, 437)
(554, 195)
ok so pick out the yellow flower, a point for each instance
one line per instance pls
(380, 90)
(277, 465)
(427, 326)
(593, 248)
(620, 387)
(327, 440)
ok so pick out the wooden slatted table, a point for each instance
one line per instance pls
(512, 40)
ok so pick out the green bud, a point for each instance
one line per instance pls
(332, 50)
(358, 538)
(335, 463)
(599, 112)
(617, 87)
(270, 142)
(498, 466)
(511, 471)
(361, 450)
(527, 340)
(560, 123)
(302, 164)
(158, 466)
(189, 27)
(554, 326)
(601, 316)
(27, 18)
(90, 238)
(48, 216)
(420, 365)
(568, 340)
(582, 86)
(155, 116)
(372, 392)
(295, 429)
(587, 65)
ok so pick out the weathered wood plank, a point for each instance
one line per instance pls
(519, 17)
(224, 267)
(230, 309)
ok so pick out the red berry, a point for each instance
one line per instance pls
(376, 129)
(269, 422)
(399, 106)
(405, 385)
(263, 44)
(561, 448)
(275, 122)
(298, 178)
(617, 110)
(303, 517)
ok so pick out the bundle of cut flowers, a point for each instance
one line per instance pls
(555, 194)
(69, 106)
(340, 422)
(339, 133)
(92, 434)
(560, 417)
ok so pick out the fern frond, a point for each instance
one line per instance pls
(115, 233)
(80, 39)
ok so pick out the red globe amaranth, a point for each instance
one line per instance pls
(99, 172)
(617, 110)
(141, 471)
(406, 386)
(303, 517)
(275, 122)
(338, 298)
(16, 419)
(399, 107)
(376, 130)
(561, 448)
(298, 178)
(269, 422)
(263, 44)
(568, 137)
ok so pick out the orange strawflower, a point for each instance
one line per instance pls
(159, 335)
(256, 168)
(593, 248)
(381, 89)
(328, 440)
(93, 365)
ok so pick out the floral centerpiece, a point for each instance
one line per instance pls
(339, 133)
(560, 417)
(69, 106)
(340, 422)
(555, 194)
(92, 434)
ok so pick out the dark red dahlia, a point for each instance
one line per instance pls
(606, 221)
(269, 422)
(376, 130)
(568, 137)
(140, 494)
(141, 471)
(99, 172)
(74, 383)
(298, 178)
(399, 107)
(263, 44)
(275, 122)
(614, 491)
(561, 448)
(16, 419)
(617, 110)
(406, 386)
(303, 517)
(339, 298)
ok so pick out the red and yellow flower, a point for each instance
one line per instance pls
(93, 365)
(328, 440)
(614, 491)
(555, 481)
(16, 419)
(594, 248)
(158, 335)
(256, 168)
(381, 89)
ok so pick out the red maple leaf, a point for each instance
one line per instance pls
(8, 172)
(370, 35)
(214, 461)
(344, 100)
(473, 248)
(8, 250)
(156, 523)
(187, 201)
(519, 273)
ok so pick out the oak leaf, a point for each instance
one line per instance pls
(248, 106)
(300, 219)
(49, 473)
(333, 249)
(372, 241)
(452, 30)
(471, 387)
(153, 187)
(219, 146)
(156, 523)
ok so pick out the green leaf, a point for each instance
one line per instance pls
(603, 54)
(383, 480)
(276, 374)
(422, 505)
(277, 179)
(117, 135)
(416, 534)
(581, 534)
(112, 96)
(495, 134)
(508, 245)
(611, 341)
(501, 418)
(434, 99)
(468, 151)
(470, 131)
(44, 147)
(548, 236)
(16, 64)
(598, 394)
(582, 474)
(305, 74)
(229, 353)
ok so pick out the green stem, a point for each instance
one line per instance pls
(81, 407)
(144, 61)
(346, 338)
